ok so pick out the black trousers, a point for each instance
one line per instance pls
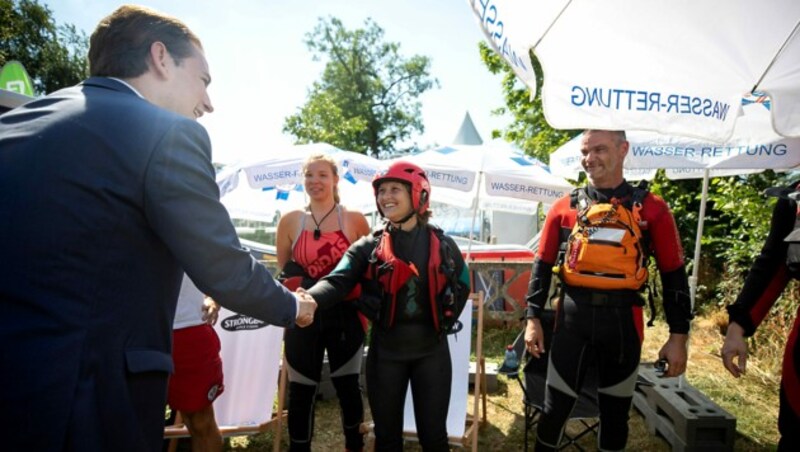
(388, 377)
(340, 332)
(609, 336)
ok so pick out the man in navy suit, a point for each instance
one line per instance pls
(107, 195)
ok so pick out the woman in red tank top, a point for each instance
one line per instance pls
(311, 242)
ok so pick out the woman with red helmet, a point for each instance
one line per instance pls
(414, 285)
(309, 244)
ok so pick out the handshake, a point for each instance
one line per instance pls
(307, 306)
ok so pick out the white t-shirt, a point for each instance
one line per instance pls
(190, 306)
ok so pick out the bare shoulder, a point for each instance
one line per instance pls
(356, 222)
(290, 220)
(352, 215)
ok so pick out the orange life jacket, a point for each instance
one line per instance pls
(606, 248)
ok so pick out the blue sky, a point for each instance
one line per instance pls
(261, 69)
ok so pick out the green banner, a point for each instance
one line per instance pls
(14, 77)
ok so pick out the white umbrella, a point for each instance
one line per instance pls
(753, 147)
(492, 176)
(678, 67)
(275, 184)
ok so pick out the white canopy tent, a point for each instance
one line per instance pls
(493, 176)
(275, 184)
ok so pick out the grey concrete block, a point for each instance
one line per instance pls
(684, 416)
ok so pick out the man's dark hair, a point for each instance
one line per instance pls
(120, 43)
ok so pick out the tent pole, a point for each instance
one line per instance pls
(474, 215)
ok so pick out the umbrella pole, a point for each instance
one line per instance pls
(696, 262)
(474, 215)
(700, 221)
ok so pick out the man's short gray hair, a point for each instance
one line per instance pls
(619, 134)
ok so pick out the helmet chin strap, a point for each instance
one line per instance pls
(405, 219)
(399, 224)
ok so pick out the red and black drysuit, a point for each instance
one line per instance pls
(414, 285)
(603, 326)
(768, 277)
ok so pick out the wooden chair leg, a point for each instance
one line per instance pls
(483, 393)
(173, 443)
(276, 442)
(479, 374)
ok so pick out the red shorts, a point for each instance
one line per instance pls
(197, 380)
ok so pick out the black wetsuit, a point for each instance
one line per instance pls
(405, 346)
(339, 331)
(604, 327)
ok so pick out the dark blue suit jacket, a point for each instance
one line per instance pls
(104, 199)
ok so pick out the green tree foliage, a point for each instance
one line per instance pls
(735, 239)
(54, 55)
(529, 130)
(736, 224)
(741, 218)
(366, 100)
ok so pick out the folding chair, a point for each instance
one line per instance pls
(533, 379)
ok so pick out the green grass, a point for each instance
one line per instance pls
(753, 398)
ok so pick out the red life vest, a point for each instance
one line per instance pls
(392, 274)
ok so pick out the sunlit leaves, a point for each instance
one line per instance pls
(54, 55)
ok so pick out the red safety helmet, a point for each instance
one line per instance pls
(410, 174)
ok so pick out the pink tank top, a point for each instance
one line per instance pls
(319, 257)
